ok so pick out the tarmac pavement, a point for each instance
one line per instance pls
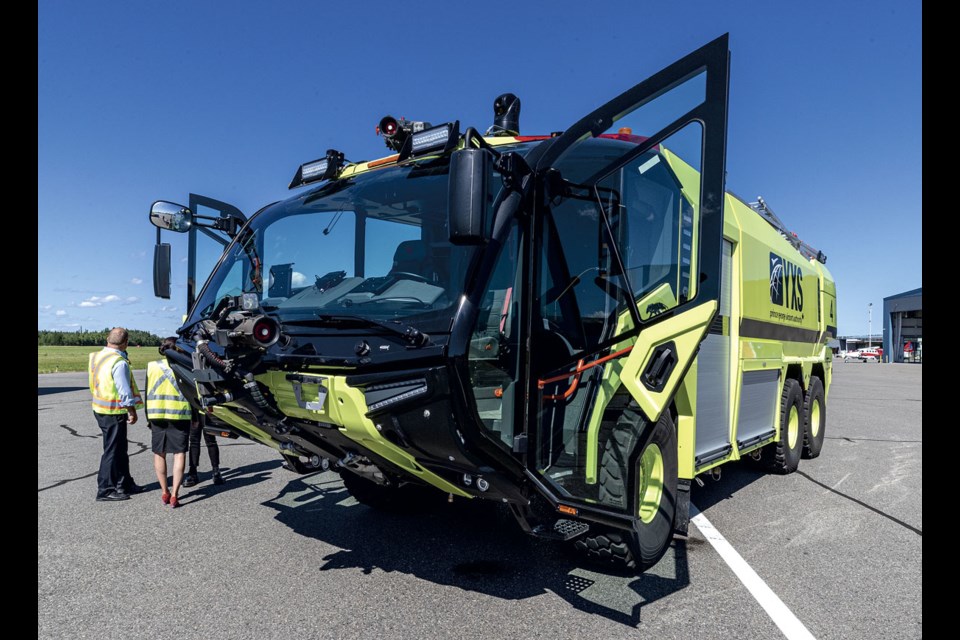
(271, 554)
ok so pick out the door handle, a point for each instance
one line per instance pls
(662, 362)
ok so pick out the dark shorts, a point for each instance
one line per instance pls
(169, 436)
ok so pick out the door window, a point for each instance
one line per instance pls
(495, 347)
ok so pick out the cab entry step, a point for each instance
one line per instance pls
(561, 530)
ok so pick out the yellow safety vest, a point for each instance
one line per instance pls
(164, 400)
(106, 396)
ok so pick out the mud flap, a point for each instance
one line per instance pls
(681, 518)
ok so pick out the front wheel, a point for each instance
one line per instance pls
(654, 504)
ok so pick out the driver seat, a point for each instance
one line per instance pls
(410, 257)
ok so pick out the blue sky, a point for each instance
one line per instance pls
(146, 101)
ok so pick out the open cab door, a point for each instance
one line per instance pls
(214, 219)
(626, 278)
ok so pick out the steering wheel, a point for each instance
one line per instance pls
(407, 275)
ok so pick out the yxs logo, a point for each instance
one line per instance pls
(786, 283)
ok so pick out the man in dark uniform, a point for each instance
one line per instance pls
(115, 403)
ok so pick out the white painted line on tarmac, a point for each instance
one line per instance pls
(841, 481)
(788, 623)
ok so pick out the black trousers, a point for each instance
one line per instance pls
(196, 430)
(114, 474)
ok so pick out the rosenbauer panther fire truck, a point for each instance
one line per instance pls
(576, 324)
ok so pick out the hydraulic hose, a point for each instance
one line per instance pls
(178, 357)
(250, 385)
(212, 357)
(254, 390)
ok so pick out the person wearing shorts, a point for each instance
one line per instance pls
(169, 415)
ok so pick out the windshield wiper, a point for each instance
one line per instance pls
(409, 333)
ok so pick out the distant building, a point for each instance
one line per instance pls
(903, 327)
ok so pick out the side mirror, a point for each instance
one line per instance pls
(171, 216)
(161, 270)
(468, 197)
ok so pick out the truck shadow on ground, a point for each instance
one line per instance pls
(473, 546)
(735, 477)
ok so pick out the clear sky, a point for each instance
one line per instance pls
(145, 101)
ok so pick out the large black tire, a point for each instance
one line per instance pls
(642, 547)
(608, 546)
(814, 419)
(783, 455)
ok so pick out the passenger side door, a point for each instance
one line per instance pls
(627, 263)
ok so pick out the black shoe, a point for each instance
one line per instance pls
(217, 478)
(190, 480)
(134, 488)
(113, 496)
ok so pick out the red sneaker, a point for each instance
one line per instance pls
(174, 502)
(165, 497)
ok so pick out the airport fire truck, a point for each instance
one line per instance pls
(575, 324)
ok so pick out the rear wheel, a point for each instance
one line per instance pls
(814, 419)
(656, 497)
(783, 456)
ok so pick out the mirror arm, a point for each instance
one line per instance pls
(510, 165)
(513, 168)
(228, 225)
(472, 138)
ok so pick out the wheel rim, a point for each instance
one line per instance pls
(793, 427)
(651, 483)
(815, 419)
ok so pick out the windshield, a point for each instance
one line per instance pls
(374, 246)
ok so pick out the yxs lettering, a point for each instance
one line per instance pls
(786, 283)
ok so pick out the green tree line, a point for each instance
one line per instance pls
(93, 338)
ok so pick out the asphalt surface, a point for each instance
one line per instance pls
(271, 554)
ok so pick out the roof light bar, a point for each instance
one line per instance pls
(436, 141)
(325, 168)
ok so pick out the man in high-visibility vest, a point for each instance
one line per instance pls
(169, 415)
(115, 403)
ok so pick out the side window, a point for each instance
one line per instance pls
(208, 249)
(583, 295)
(233, 284)
(495, 344)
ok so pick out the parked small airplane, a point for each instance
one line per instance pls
(868, 354)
